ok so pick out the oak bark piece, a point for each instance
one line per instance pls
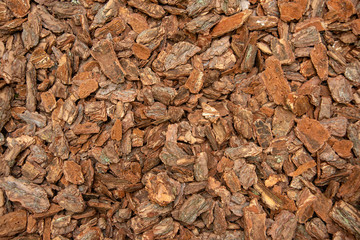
(13, 223)
(104, 54)
(71, 199)
(30, 196)
(275, 82)
(320, 60)
(72, 172)
(340, 89)
(312, 134)
(228, 24)
(180, 53)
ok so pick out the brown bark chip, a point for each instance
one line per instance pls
(174, 119)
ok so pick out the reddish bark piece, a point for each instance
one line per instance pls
(72, 172)
(162, 189)
(105, 55)
(141, 51)
(137, 22)
(220, 223)
(282, 50)
(343, 148)
(63, 72)
(356, 26)
(319, 59)
(311, 133)
(13, 223)
(350, 190)
(254, 221)
(347, 217)
(87, 87)
(41, 59)
(201, 167)
(340, 89)
(302, 168)
(180, 53)
(232, 181)
(86, 128)
(228, 24)
(284, 226)
(282, 122)
(315, 21)
(151, 9)
(306, 37)
(90, 233)
(274, 80)
(192, 208)
(71, 199)
(115, 27)
(292, 10)
(48, 101)
(307, 69)
(340, 9)
(116, 130)
(262, 22)
(19, 8)
(195, 81)
(31, 31)
(30, 196)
